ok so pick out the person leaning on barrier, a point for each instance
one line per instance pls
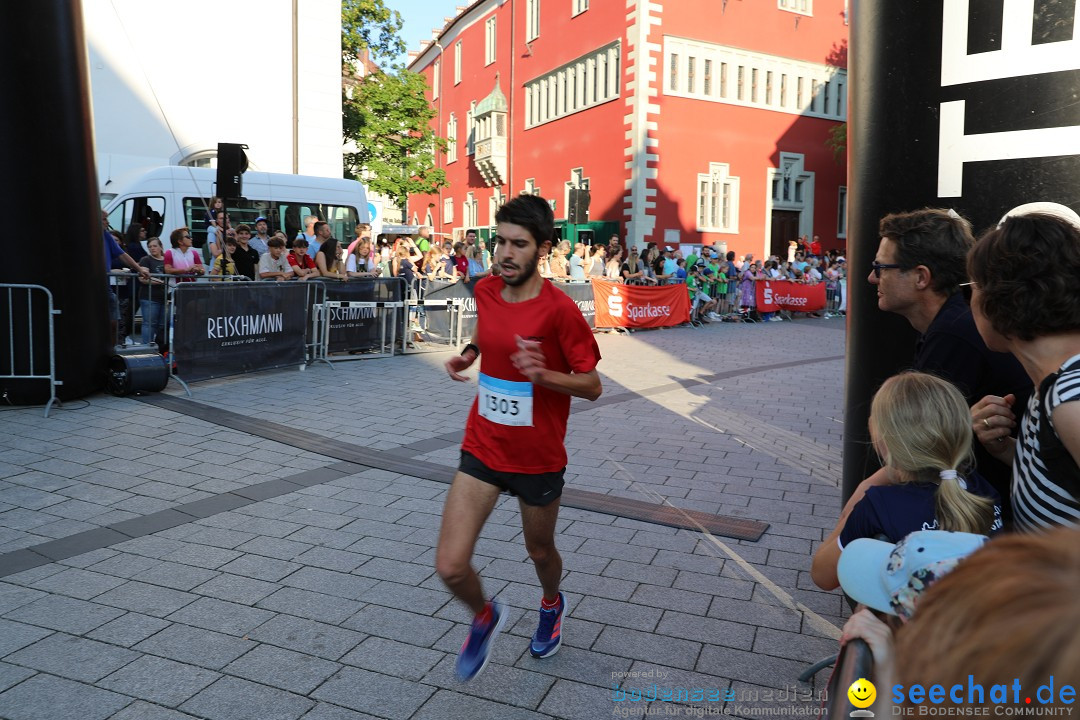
(558, 261)
(360, 263)
(225, 263)
(182, 259)
(273, 265)
(918, 270)
(1026, 300)
(302, 264)
(328, 260)
(152, 293)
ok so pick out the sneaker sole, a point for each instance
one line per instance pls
(491, 646)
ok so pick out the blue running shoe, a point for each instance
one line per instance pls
(476, 651)
(548, 637)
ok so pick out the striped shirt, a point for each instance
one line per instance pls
(1046, 478)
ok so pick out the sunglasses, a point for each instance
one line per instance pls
(878, 267)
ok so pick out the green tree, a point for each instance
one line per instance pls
(370, 25)
(388, 117)
(837, 142)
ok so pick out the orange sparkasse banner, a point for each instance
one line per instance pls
(638, 306)
(773, 295)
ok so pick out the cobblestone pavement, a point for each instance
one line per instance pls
(155, 565)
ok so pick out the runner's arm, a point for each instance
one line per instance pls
(530, 362)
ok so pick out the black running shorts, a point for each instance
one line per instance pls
(539, 489)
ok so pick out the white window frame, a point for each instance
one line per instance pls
(494, 203)
(841, 212)
(470, 129)
(719, 184)
(582, 83)
(468, 210)
(799, 7)
(457, 62)
(451, 140)
(435, 72)
(530, 187)
(578, 7)
(448, 210)
(532, 20)
(489, 40)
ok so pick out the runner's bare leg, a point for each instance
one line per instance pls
(538, 525)
(468, 505)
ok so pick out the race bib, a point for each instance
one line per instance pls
(505, 402)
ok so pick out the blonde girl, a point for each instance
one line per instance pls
(921, 429)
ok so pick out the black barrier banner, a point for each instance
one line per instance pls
(582, 295)
(230, 328)
(438, 319)
(361, 328)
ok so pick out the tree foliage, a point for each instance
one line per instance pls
(369, 24)
(837, 142)
(388, 118)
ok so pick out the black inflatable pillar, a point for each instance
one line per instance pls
(964, 104)
(49, 194)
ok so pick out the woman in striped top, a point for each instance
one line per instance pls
(1026, 300)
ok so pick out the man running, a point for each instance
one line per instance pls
(537, 352)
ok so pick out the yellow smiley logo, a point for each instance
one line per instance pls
(862, 693)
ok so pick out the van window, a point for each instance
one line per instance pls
(147, 211)
(285, 216)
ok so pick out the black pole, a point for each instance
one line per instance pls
(923, 132)
(48, 184)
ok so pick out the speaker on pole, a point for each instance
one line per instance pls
(231, 166)
(583, 200)
(982, 119)
(572, 206)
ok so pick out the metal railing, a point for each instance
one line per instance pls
(33, 365)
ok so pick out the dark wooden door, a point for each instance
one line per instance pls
(785, 228)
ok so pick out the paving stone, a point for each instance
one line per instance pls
(612, 612)
(573, 700)
(260, 568)
(220, 537)
(383, 569)
(325, 711)
(14, 636)
(311, 605)
(146, 599)
(224, 617)
(658, 649)
(793, 646)
(577, 664)
(747, 666)
(330, 559)
(124, 565)
(235, 699)
(195, 646)
(652, 574)
(600, 586)
(374, 693)
(235, 588)
(307, 636)
(712, 585)
(128, 629)
(72, 657)
(608, 549)
(709, 630)
(144, 679)
(45, 697)
(754, 613)
(393, 658)
(77, 583)
(175, 575)
(202, 556)
(12, 675)
(140, 710)
(329, 582)
(399, 625)
(529, 688)
(69, 615)
(274, 547)
(284, 669)
(406, 597)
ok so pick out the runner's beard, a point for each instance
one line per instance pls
(523, 273)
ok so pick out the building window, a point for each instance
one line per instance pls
(470, 129)
(580, 84)
(532, 20)
(435, 80)
(530, 187)
(451, 139)
(841, 213)
(802, 7)
(761, 80)
(494, 203)
(718, 200)
(457, 62)
(580, 6)
(469, 210)
(448, 210)
(489, 40)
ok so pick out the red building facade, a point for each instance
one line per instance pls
(698, 122)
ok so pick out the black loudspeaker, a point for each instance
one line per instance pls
(571, 206)
(583, 200)
(232, 163)
(133, 372)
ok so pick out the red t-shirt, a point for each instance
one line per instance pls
(554, 320)
(815, 247)
(462, 264)
(309, 264)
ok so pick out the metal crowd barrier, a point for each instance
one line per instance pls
(415, 306)
(854, 662)
(34, 368)
(386, 349)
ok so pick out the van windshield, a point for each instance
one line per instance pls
(287, 216)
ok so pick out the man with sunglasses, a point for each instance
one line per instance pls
(919, 269)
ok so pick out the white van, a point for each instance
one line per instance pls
(170, 197)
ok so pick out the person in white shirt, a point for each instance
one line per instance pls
(274, 265)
